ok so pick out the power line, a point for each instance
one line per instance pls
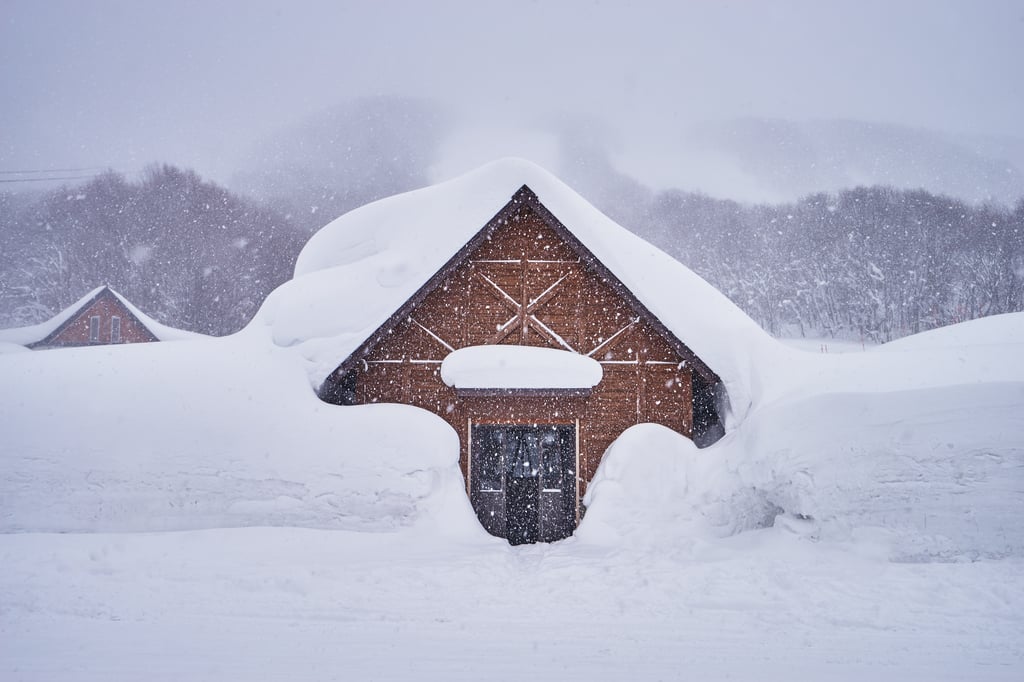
(63, 177)
(50, 170)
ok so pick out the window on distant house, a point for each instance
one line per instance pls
(94, 329)
(115, 329)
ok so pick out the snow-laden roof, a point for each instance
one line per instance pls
(358, 270)
(37, 332)
(512, 367)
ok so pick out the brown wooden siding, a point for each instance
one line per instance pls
(525, 285)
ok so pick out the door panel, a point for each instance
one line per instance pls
(487, 484)
(522, 510)
(558, 482)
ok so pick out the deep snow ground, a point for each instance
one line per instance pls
(289, 603)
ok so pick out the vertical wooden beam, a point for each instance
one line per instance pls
(524, 264)
(576, 482)
(469, 457)
(641, 390)
(467, 290)
(406, 379)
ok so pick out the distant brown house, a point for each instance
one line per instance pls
(104, 318)
(101, 317)
(528, 452)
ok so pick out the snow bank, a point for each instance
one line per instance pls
(650, 490)
(936, 473)
(355, 272)
(923, 475)
(213, 433)
(917, 448)
(656, 491)
(519, 367)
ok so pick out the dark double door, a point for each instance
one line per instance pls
(523, 480)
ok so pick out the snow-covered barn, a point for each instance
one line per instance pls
(543, 334)
(101, 317)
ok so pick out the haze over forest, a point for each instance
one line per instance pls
(183, 153)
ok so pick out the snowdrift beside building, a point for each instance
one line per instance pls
(218, 433)
(916, 448)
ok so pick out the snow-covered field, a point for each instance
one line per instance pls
(299, 604)
(190, 510)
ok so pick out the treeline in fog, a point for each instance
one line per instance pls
(187, 252)
(868, 263)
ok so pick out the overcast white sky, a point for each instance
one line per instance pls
(121, 84)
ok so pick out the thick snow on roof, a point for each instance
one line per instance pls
(37, 332)
(519, 367)
(358, 270)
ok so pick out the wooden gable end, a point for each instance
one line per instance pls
(525, 279)
(103, 319)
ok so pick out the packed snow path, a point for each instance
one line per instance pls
(259, 603)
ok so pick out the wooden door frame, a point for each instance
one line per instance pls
(485, 421)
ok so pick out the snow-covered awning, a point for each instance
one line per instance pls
(505, 368)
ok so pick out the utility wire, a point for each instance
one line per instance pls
(50, 170)
(63, 177)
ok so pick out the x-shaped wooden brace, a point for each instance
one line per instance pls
(523, 310)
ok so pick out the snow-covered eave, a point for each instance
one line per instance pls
(525, 196)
